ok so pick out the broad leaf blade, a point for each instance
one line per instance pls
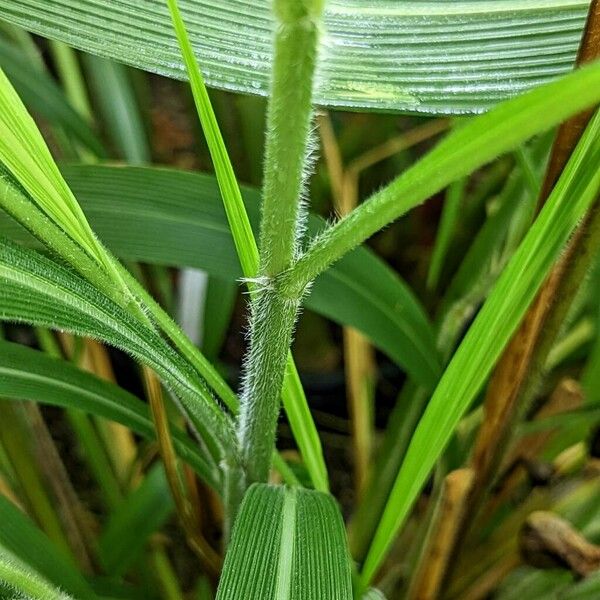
(437, 57)
(288, 543)
(27, 374)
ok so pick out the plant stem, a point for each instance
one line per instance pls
(460, 153)
(273, 313)
(288, 128)
(294, 400)
(187, 512)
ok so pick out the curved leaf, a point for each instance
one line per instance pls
(18, 577)
(37, 290)
(288, 544)
(437, 56)
(27, 374)
(174, 228)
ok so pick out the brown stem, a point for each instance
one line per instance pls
(74, 518)
(441, 540)
(186, 511)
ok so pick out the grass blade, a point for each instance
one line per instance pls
(57, 297)
(177, 230)
(467, 148)
(293, 395)
(39, 91)
(25, 154)
(142, 513)
(23, 545)
(497, 320)
(113, 90)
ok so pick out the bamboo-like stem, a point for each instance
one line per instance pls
(287, 144)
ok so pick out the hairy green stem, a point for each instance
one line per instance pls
(272, 320)
(460, 153)
(288, 132)
(287, 143)
(294, 401)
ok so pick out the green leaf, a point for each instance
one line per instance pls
(216, 315)
(34, 552)
(527, 582)
(510, 215)
(27, 374)
(142, 513)
(496, 322)
(230, 190)
(37, 290)
(37, 180)
(461, 152)
(26, 156)
(412, 56)
(446, 230)
(287, 543)
(174, 228)
(587, 589)
(41, 94)
(21, 579)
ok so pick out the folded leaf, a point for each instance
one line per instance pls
(437, 56)
(37, 290)
(288, 543)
